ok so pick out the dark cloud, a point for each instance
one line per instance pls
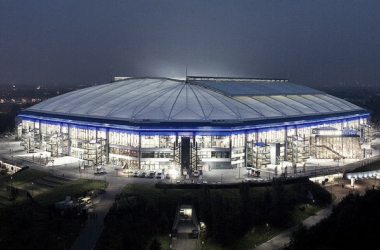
(309, 42)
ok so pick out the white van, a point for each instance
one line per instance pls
(87, 200)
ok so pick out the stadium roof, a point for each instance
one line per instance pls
(197, 100)
(254, 87)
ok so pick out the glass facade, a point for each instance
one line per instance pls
(127, 147)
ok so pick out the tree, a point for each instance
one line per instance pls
(280, 214)
(221, 232)
(354, 223)
(205, 208)
(155, 245)
(245, 221)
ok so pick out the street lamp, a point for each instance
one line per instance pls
(32, 188)
(221, 178)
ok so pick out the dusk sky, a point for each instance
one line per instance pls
(86, 42)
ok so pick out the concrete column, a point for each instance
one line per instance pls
(107, 146)
(286, 144)
(139, 150)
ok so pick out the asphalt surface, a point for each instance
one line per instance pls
(184, 240)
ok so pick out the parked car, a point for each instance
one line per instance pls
(159, 175)
(194, 234)
(136, 173)
(257, 173)
(101, 191)
(152, 174)
(196, 173)
(92, 193)
(143, 175)
(87, 200)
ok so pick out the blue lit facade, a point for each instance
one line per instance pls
(145, 141)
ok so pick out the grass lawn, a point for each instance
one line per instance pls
(74, 188)
(40, 227)
(17, 180)
(22, 177)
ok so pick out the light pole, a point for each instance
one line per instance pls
(32, 188)
(315, 173)
(313, 207)
(221, 178)
(52, 164)
(374, 184)
(282, 163)
(78, 220)
(12, 192)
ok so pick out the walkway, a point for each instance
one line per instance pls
(92, 228)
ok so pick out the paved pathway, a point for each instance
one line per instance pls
(183, 241)
(92, 228)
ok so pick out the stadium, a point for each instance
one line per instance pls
(194, 124)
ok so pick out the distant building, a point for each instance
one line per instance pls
(200, 122)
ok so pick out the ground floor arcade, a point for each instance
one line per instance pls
(199, 148)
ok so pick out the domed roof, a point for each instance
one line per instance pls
(198, 100)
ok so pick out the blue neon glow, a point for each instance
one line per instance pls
(198, 130)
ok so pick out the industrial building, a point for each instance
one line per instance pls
(196, 123)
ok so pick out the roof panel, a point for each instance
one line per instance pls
(237, 88)
(168, 99)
